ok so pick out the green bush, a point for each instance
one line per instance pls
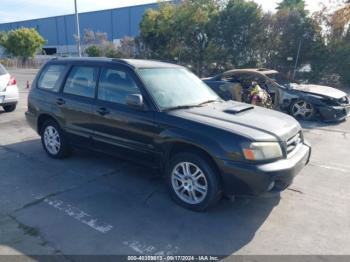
(93, 51)
(112, 52)
(22, 42)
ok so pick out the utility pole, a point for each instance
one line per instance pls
(78, 27)
(297, 60)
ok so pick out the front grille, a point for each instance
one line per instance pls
(293, 142)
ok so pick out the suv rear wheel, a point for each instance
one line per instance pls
(54, 140)
(9, 108)
(193, 182)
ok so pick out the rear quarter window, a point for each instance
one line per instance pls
(50, 77)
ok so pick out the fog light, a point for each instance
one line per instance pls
(271, 186)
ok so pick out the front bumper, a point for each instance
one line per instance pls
(256, 179)
(334, 113)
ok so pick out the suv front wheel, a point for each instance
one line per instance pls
(193, 182)
(54, 140)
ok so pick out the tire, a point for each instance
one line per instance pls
(9, 108)
(188, 191)
(301, 109)
(54, 140)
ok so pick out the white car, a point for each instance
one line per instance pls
(8, 90)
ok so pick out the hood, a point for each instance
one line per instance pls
(255, 123)
(320, 90)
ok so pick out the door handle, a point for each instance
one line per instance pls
(102, 111)
(60, 101)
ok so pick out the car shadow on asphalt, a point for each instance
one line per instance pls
(131, 198)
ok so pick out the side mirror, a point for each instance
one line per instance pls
(135, 101)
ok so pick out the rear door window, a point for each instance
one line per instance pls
(81, 81)
(50, 77)
(115, 85)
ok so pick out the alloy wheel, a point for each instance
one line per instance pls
(302, 109)
(189, 183)
(52, 140)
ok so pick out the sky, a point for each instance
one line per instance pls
(19, 10)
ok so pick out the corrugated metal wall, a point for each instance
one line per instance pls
(60, 30)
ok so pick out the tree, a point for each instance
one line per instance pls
(98, 45)
(298, 5)
(340, 21)
(180, 32)
(193, 33)
(23, 42)
(289, 30)
(157, 30)
(111, 51)
(215, 35)
(335, 20)
(339, 43)
(334, 17)
(128, 47)
(239, 26)
(2, 36)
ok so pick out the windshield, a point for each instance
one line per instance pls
(176, 87)
(281, 79)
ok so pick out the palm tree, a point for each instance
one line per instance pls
(292, 5)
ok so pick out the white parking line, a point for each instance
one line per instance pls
(79, 215)
(335, 168)
(340, 168)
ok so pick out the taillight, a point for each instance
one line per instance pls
(12, 81)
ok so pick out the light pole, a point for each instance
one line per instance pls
(78, 27)
(297, 60)
(202, 40)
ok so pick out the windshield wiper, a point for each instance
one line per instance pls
(189, 106)
(179, 107)
(208, 101)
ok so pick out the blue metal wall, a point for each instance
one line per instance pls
(60, 30)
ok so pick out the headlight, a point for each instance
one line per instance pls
(262, 151)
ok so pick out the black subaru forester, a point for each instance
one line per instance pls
(164, 116)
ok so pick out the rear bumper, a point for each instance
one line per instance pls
(10, 96)
(8, 102)
(334, 113)
(256, 179)
(31, 120)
